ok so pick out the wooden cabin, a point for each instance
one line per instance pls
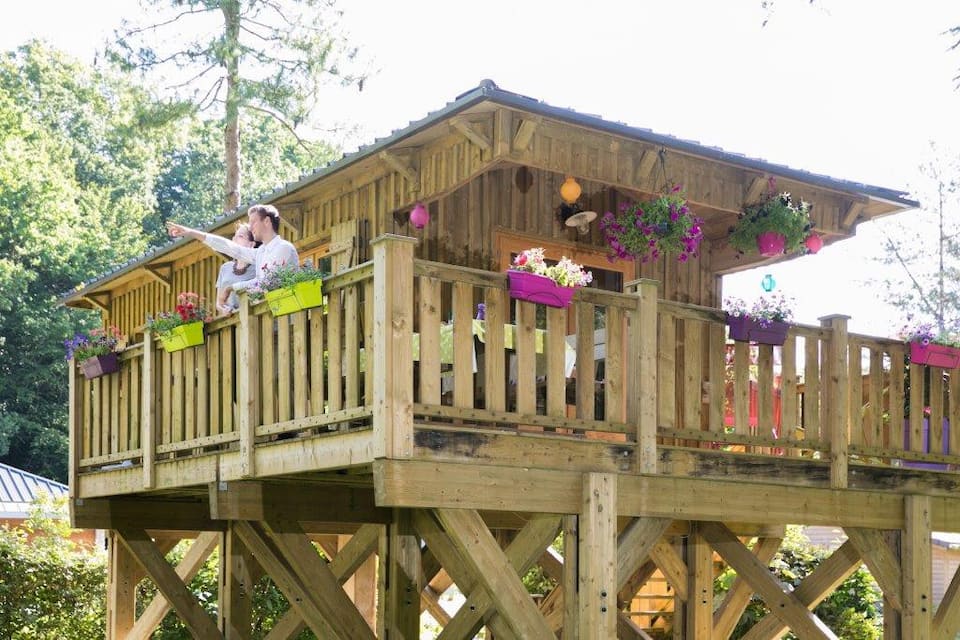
(419, 448)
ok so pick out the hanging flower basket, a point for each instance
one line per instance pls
(183, 337)
(771, 243)
(934, 355)
(302, 295)
(747, 329)
(539, 289)
(97, 366)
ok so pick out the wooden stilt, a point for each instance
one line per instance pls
(699, 610)
(917, 570)
(598, 557)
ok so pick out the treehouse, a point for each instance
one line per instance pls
(420, 447)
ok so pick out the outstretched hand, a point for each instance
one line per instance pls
(176, 230)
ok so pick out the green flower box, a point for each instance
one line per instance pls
(183, 337)
(303, 295)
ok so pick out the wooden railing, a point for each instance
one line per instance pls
(398, 344)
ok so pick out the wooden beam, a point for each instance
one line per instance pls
(521, 140)
(727, 615)
(472, 615)
(402, 165)
(239, 574)
(392, 345)
(197, 621)
(316, 576)
(287, 580)
(837, 414)
(101, 300)
(648, 160)
(785, 605)
(699, 586)
(819, 584)
(483, 556)
(187, 569)
(853, 211)
(566, 611)
(884, 566)
(672, 566)
(173, 514)
(345, 562)
(263, 500)
(148, 413)
(162, 272)
(123, 575)
(758, 186)
(291, 216)
(404, 576)
(917, 614)
(598, 557)
(409, 483)
(471, 134)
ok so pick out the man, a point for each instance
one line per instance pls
(273, 252)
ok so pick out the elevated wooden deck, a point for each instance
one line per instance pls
(393, 409)
(619, 382)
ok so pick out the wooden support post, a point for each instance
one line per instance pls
(917, 570)
(248, 380)
(402, 597)
(148, 414)
(891, 616)
(836, 394)
(598, 557)
(642, 371)
(75, 432)
(571, 563)
(123, 576)
(392, 346)
(699, 610)
(239, 573)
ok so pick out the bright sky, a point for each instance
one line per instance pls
(854, 89)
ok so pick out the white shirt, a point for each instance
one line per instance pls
(278, 252)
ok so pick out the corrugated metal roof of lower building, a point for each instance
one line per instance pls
(488, 90)
(18, 486)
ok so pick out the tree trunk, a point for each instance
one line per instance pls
(231, 120)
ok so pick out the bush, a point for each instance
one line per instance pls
(51, 588)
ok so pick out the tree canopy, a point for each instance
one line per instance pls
(244, 57)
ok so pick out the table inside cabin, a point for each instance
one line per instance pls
(479, 329)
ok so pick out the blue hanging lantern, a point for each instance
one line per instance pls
(768, 283)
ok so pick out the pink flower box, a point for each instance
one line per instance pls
(934, 355)
(539, 289)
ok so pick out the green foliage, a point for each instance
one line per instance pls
(777, 212)
(853, 610)
(51, 589)
(75, 184)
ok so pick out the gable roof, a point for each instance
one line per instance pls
(488, 91)
(19, 488)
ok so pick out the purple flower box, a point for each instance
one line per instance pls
(539, 289)
(934, 355)
(99, 366)
(747, 329)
